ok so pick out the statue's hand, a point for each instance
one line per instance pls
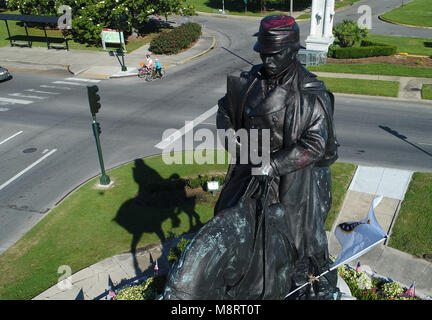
(264, 172)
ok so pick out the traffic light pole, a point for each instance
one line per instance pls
(94, 108)
(104, 179)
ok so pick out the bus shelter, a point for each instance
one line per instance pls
(26, 19)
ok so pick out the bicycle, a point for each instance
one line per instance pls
(143, 71)
(154, 75)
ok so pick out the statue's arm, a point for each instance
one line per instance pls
(308, 149)
(225, 122)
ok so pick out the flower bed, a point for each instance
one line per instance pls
(364, 287)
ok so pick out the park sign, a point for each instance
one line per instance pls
(112, 36)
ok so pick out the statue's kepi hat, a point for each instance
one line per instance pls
(277, 33)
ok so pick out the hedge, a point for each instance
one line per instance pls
(175, 40)
(366, 49)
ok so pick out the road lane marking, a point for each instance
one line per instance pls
(11, 137)
(43, 92)
(15, 100)
(20, 95)
(54, 87)
(27, 169)
(68, 82)
(82, 79)
(181, 132)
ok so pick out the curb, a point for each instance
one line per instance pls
(350, 95)
(402, 24)
(201, 53)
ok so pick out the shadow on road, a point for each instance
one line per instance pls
(403, 138)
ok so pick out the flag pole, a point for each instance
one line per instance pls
(336, 266)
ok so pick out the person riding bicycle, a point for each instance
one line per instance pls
(149, 62)
(158, 68)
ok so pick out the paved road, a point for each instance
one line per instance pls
(47, 147)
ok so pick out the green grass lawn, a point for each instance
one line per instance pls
(426, 92)
(92, 224)
(342, 174)
(237, 8)
(38, 39)
(382, 69)
(360, 86)
(416, 13)
(412, 230)
(418, 46)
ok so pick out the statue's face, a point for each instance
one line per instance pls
(275, 63)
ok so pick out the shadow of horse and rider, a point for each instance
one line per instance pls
(153, 205)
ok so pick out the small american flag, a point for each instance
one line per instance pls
(156, 267)
(111, 292)
(358, 268)
(411, 290)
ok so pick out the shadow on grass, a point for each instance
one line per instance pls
(157, 200)
(38, 39)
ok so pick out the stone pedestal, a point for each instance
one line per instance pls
(322, 16)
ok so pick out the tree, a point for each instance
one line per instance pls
(167, 7)
(348, 32)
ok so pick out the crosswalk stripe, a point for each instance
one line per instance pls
(68, 82)
(19, 101)
(43, 92)
(82, 79)
(54, 87)
(20, 95)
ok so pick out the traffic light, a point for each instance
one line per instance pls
(94, 99)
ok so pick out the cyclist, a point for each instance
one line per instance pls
(149, 62)
(158, 68)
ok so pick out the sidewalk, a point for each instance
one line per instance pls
(367, 183)
(98, 64)
(409, 89)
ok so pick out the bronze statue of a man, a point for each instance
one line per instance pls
(267, 236)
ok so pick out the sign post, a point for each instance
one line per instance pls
(115, 36)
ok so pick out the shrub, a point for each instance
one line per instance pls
(175, 252)
(392, 289)
(348, 32)
(148, 290)
(367, 49)
(201, 181)
(175, 40)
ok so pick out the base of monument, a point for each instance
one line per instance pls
(318, 44)
(344, 290)
(312, 57)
